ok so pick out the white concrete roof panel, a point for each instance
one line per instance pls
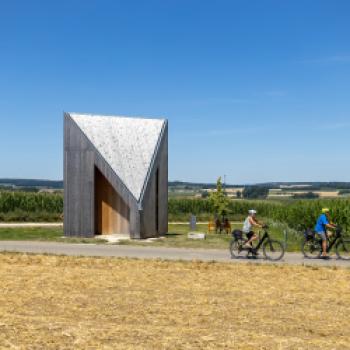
(127, 144)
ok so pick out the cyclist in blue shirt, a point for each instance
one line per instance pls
(323, 222)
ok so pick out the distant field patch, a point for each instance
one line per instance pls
(52, 302)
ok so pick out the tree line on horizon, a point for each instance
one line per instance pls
(58, 184)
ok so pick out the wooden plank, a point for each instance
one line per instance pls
(155, 202)
(78, 180)
(112, 213)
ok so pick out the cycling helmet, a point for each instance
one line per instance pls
(252, 211)
(325, 210)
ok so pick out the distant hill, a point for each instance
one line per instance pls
(31, 183)
(52, 184)
(310, 185)
(270, 185)
(194, 185)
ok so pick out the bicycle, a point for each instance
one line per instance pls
(311, 246)
(272, 249)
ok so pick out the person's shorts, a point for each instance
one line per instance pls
(250, 234)
(322, 235)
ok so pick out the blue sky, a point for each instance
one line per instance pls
(257, 90)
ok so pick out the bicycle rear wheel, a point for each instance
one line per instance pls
(273, 250)
(343, 249)
(236, 249)
(311, 249)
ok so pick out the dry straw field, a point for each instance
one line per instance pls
(52, 302)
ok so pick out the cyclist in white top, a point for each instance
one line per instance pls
(250, 222)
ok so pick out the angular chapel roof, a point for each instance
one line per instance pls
(128, 145)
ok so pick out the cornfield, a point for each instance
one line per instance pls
(31, 202)
(26, 206)
(296, 214)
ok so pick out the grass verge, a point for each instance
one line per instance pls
(41, 234)
(176, 237)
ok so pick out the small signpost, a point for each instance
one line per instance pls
(193, 222)
(193, 228)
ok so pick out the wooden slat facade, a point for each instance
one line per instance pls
(111, 213)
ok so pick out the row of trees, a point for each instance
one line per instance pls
(255, 192)
(249, 192)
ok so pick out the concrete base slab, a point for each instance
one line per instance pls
(153, 239)
(114, 238)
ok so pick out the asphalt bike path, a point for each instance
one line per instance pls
(60, 224)
(103, 250)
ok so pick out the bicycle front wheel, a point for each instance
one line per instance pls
(311, 249)
(273, 250)
(343, 249)
(236, 249)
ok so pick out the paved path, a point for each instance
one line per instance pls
(30, 224)
(151, 252)
(60, 224)
(202, 223)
